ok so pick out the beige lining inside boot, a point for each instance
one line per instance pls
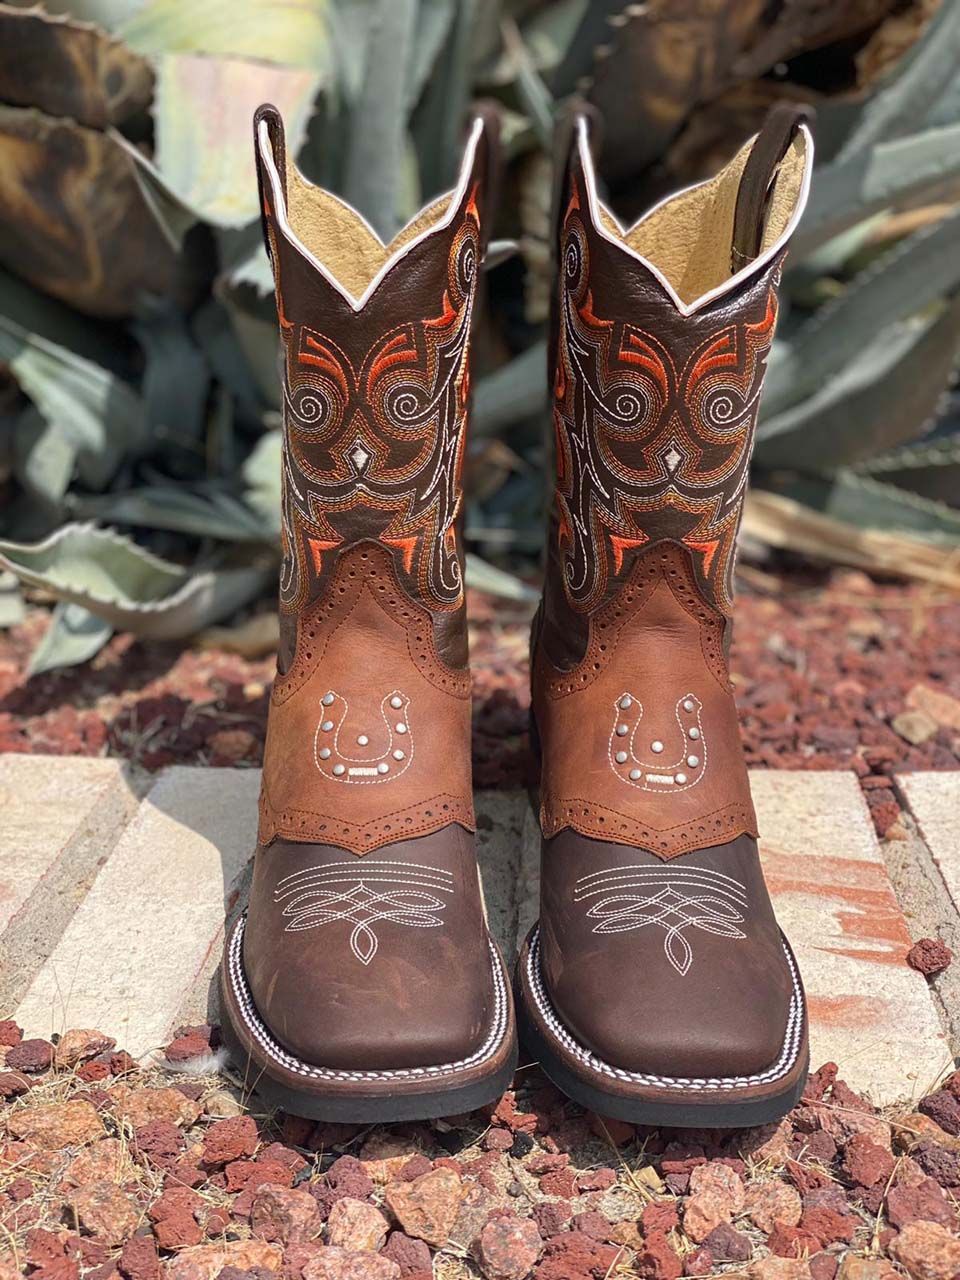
(689, 237)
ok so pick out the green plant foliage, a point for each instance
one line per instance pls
(138, 345)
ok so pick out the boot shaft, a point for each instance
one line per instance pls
(368, 739)
(660, 338)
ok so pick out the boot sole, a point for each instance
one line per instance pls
(363, 1097)
(730, 1102)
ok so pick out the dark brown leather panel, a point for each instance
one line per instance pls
(692, 948)
(373, 964)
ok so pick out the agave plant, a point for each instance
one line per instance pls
(137, 339)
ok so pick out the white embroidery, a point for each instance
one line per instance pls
(387, 753)
(675, 898)
(339, 891)
(627, 753)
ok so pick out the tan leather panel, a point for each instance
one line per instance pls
(369, 731)
(640, 740)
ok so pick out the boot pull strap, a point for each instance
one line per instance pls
(488, 166)
(269, 114)
(766, 155)
(564, 142)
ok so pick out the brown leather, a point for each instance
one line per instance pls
(640, 740)
(369, 733)
(710, 989)
(365, 884)
(348, 994)
(778, 131)
(649, 864)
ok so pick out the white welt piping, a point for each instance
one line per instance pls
(280, 213)
(758, 263)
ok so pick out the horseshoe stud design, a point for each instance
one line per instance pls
(650, 765)
(364, 754)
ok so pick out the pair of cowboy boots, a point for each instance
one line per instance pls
(362, 984)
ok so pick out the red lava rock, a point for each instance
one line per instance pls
(592, 1224)
(507, 1113)
(927, 1251)
(922, 1202)
(43, 1247)
(660, 1215)
(819, 1146)
(177, 1230)
(248, 1175)
(93, 1071)
(820, 1082)
(410, 1255)
(345, 1177)
(417, 1166)
(355, 1225)
(333, 1263)
(104, 1211)
(427, 1207)
(551, 1217)
(929, 956)
(230, 1139)
(658, 1260)
(79, 1044)
(941, 1165)
(121, 1063)
(508, 1248)
(823, 1266)
(547, 1161)
(30, 1055)
(138, 1259)
(726, 1244)
(192, 1045)
(10, 1033)
(497, 1140)
(944, 1108)
(865, 1163)
(160, 1140)
(698, 1263)
(827, 1225)
(792, 1242)
(596, 1179)
(285, 1214)
(562, 1183)
(574, 1256)
(13, 1084)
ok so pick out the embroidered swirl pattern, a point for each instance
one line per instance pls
(648, 445)
(673, 898)
(401, 893)
(373, 446)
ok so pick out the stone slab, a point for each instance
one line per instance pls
(869, 1011)
(934, 800)
(59, 819)
(153, 917)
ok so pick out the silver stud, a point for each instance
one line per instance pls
(680, 777)
(399, 755)
(694, 734)
(325, 753)
(401, 727)
(327, 699)
(383, 767)
(396, 702)
(327, 726)
(634, 775)
(362, 740)
(621, 757)
(625, 702)
(339, 770)
(688, 705)
(693, 761)
(656, 746)
(622, 730)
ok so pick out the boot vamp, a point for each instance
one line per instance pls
(374, 962)
(669, 967)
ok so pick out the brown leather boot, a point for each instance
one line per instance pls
(363, 984)
(657, 987)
